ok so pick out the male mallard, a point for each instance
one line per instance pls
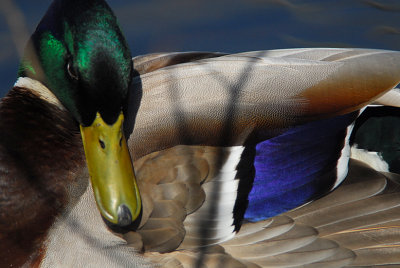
(220, 144)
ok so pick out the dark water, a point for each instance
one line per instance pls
(223, 25)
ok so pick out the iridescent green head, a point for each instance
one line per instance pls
(79, 52)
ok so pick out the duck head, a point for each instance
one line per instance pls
(79, 52)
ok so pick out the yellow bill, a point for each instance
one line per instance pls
(111, 171)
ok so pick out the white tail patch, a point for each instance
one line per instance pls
(371, 158)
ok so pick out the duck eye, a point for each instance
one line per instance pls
(71, 71)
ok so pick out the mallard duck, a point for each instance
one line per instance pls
(192, 157)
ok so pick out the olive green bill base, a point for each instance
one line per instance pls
(111, 173)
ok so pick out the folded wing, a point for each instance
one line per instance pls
(247, 136)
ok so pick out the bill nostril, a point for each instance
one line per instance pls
(102, 144)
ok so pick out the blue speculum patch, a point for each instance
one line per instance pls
(296, 166)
